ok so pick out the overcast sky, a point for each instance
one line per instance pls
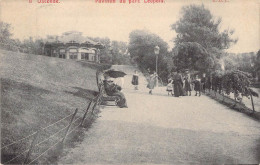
(116, 21)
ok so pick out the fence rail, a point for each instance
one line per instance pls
(60, 140)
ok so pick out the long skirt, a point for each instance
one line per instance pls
(178, 90)
(121, 97)
(135, 80)
(187, 86)
(151, 84)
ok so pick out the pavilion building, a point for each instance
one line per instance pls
(72, 45)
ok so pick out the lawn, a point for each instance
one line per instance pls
(37, 91)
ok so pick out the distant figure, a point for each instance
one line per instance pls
(197, 85)
(187, 84)
(209, 83)
(203, 82)
(152, 82)
(178, 84)
(114, 90)
(135, 80)
(169, 88)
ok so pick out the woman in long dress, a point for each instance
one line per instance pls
(135, 80)
(152, 82)
(177, 85)
(112, 89)
(197, 85)
(187, 84)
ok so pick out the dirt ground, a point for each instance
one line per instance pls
(160, 129)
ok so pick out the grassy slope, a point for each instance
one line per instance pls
(37, 91)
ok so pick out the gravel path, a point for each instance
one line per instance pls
(159, 129)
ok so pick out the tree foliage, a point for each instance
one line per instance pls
(106, 56)
(199, 35)
(119, 53)
(5, 32)
(141, 48)
(236, 81)
(246, 62)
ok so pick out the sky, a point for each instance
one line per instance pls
(117, 20)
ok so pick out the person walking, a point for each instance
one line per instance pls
(187, 84)
(197, 85)
(135, 80)
(203, 82)
(178, 85)
(209, 83)
(152, 82)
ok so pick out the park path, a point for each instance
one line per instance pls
(159, 129)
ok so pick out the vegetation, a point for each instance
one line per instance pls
(115, 52)
(246, 62)
(141, 48)
(199, 44)
(236, 82)
(37, 91)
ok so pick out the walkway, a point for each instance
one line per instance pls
(162, 129)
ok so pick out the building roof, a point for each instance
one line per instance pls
(71, 36)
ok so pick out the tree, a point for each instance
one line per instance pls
(198, 31)
(6, 42)
(119, 50)
(106, 53)
(141, 49)
(246, 62)
(5, 33)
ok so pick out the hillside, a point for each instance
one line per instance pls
(37, 91)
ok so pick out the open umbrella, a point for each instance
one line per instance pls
(115, 73)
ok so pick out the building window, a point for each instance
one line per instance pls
(91, 57)
(62, 56)
(73, 53)
(84, 56)
(62, 53)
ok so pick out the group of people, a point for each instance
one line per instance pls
(182, 84)
(179, 84)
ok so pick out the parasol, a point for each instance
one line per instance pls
(115, 73)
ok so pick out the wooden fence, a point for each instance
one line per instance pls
(26, 154)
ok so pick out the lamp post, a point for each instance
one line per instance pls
(156, 52)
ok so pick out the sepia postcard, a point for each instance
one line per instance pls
(130, 81)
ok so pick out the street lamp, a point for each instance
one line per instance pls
(156, 52)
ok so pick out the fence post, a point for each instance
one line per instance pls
(69, 125)
(31, 147)
(94, 106)
(86, 112)
(252, 101)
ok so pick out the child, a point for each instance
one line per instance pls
(169, 88)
